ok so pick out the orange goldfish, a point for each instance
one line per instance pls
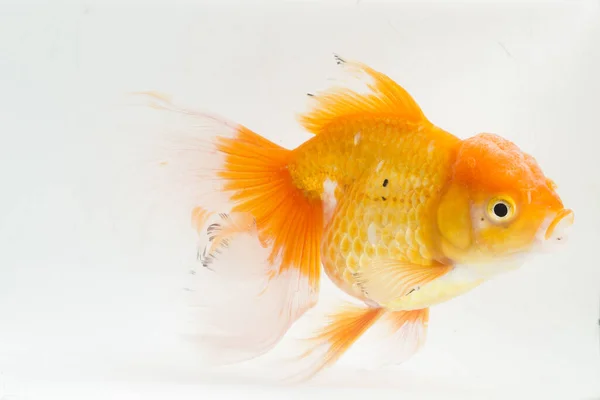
(399, 214)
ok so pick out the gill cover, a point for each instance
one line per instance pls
(454, 219)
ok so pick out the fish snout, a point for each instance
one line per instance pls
(558, 228)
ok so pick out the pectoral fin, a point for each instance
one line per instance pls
(386, 280)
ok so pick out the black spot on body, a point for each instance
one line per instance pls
(385, 182)
(383, 198)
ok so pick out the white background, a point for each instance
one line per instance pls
(92, 268)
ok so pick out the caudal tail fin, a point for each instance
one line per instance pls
(262, 235)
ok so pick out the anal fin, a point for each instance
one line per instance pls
(388, 337)
(397, 336)
(342, 329)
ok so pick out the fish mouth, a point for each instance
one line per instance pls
(559, 225)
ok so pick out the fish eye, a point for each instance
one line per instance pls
(501, 209)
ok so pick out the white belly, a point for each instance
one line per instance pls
(460, 280)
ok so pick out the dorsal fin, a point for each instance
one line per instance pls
(379, 95)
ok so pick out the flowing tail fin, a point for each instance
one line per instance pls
(263, 234)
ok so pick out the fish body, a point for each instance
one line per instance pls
(399, 213)
(383, 178)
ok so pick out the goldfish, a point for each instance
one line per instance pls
(398, 213)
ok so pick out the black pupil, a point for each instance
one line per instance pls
(501, 210)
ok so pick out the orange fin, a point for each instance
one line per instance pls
(344, 328)
(387, 280)
(390, 337)
(395, 338)
(376, 95)
(199, 218)
(226, 168)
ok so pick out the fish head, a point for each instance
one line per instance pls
(499, 204)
